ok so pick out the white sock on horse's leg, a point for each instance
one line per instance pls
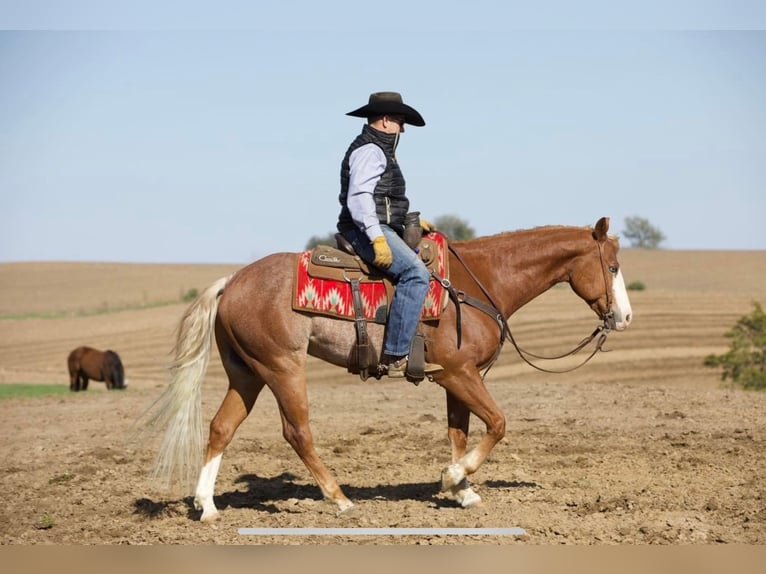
(203, 495)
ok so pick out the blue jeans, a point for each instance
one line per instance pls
(409, 274)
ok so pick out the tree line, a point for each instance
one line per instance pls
(639, 232)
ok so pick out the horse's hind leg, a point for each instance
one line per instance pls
(290, 392)
(244, 388)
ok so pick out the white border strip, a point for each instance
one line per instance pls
(381, 531)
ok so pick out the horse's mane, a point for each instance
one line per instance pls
(521, 232)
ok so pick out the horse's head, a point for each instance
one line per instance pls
(596, 277)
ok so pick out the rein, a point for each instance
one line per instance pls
(492, 309)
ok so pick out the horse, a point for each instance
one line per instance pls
(86, 363)
(263, 342)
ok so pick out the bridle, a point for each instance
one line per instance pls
(600, 333)
(608, 315)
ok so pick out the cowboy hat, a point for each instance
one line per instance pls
(388, 104)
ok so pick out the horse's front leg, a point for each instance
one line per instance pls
(467, 394)
(458, 420)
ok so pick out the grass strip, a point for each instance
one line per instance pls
(87, 312)
(25, 390)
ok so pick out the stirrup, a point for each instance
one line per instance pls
(399, 370)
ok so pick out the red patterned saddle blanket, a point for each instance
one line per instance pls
(321, 282)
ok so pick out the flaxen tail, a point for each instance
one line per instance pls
(179, 408)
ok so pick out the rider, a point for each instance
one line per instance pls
(373, 209)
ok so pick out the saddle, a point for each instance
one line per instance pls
(338, 283)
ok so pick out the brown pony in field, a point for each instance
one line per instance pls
(87, 363)
(264, 343)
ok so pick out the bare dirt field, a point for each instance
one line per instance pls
(643, 445)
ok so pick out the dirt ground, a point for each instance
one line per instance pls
(641, 446)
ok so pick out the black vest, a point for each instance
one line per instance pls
(391, 203)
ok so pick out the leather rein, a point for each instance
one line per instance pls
(492, 309)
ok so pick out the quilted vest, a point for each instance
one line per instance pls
(391, 203)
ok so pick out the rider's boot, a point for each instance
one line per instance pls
(396, 367)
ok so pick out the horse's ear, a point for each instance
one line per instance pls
(600, 231)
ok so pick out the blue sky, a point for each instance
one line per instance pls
(196, 136)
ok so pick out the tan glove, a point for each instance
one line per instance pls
(383, 256)
(427, 226)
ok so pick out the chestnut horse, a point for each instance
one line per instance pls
(263, 342)
(87, 363)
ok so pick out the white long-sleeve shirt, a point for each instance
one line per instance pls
(366, 165)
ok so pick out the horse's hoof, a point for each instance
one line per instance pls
(345, 508)
(469, 499)
(210, 516)
(452, 476)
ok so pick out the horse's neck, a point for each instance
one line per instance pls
(516, 267)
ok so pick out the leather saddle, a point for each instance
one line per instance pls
(340, 262)
(336, 281)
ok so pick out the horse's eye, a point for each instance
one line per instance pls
(613, 269)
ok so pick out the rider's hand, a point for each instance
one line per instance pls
(427, 226)
(383, 256)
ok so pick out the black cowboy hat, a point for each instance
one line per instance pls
(388, 104)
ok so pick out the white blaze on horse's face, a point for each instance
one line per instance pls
(623, 314)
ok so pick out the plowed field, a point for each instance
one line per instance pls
(643, 445)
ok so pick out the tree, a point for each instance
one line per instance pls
(745, 362)
(642, 234)
(454, 227)
(315, 240)
(450, 225)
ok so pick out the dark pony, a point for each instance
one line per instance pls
(86, 363)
